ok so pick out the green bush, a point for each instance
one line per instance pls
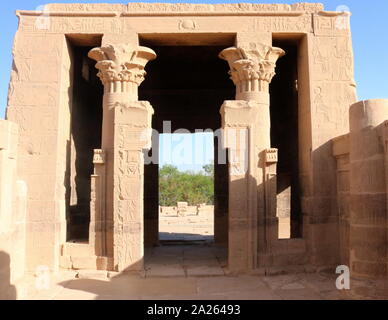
(191, 187)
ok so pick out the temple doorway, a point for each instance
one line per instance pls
(186, 187)
(186, 86)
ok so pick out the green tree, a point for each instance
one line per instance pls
(209, 169)
(194, 188)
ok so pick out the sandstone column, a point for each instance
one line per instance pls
(124, 136)
(368, 198)
(246, 124)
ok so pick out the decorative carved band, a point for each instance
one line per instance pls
(252, 67)
(121, 66)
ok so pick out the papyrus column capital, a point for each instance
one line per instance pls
(252, 67)
(121, 67)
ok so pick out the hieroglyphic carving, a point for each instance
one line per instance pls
(307, 7)
(301, 23)
(134, 115)
(332, 110)
(83, 24)
(321, 108)
(63, 24)
(85, 7)
(132, 121)
(184, 7)
(129, 162)
(132, 138)
(333, 59)
(128, 188)
(333, 85)
(326, 25)
(127, 248)
(128, 210)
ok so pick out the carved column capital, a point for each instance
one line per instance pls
(271, 156)
(121, 66)
(99, 156)
(252, 68)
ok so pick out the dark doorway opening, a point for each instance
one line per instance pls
(86, 122)
(284, 137)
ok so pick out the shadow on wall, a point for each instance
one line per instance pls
(7, 291)
(323, 215)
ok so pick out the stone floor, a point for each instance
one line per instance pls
(200, 259)
(100, 286)
(187, 272)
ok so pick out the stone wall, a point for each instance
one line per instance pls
(39, 101)
(12, 213)
(362, 171)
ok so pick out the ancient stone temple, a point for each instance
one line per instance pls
(92, 83)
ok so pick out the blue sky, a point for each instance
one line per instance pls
(369, 29)
(186, 151)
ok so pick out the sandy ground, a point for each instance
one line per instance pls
(193, 226)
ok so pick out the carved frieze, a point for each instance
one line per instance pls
(301, 23)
